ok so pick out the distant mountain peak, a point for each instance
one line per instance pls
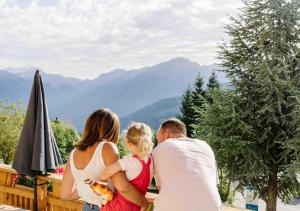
(21, 69)
(179, 60)
(112, 72)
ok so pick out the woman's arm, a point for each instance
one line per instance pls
(110, 155)
(110, 170)
(68, 189)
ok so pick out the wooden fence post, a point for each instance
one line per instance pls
(42, 193)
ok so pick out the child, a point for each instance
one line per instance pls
(138, 167)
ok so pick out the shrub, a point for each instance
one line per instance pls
(11, 122)
(66, 136)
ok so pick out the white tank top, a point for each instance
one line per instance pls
(93, 170)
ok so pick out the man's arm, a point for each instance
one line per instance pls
(157, 180)
(156, 171)
(110, 155)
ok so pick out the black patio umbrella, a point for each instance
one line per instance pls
(37, 152)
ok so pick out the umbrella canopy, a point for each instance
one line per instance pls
(37, 150)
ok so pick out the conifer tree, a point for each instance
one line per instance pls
(187, 111)
(212, 85)
(199, 100)
(255, 128)
(213, 82)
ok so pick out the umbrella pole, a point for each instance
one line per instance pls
(35, 194)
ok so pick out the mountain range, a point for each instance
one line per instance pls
(149, 94)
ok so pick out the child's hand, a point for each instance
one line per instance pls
(101, 182)
(103, 178)
(101, 189)
(146, 207)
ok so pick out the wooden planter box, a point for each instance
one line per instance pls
(23, 187)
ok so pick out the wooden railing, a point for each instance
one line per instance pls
(22, 197)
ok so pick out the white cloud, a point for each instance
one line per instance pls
(86, 38)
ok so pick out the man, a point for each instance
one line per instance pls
(185, 171)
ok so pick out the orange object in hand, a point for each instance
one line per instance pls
(100, 189)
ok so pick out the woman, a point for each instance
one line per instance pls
(95, 150)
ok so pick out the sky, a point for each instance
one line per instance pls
(84, 38)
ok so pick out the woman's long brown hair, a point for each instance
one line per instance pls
(101, 125)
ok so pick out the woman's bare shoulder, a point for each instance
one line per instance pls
(110, 147)
(110, 152)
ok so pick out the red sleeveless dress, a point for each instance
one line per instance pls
(141, 182)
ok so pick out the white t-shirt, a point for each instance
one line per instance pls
(133, 167)
(186, 171)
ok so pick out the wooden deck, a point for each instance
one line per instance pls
(13, 195)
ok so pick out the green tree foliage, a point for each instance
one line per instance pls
(224, 187)
(66, 137)
(254, 129)
(122, 149)
(187, 111)
(212, 128)
(194, 103)
(198, 90)
(11, 122)
(203, 131)
(199, 100)
(212, 84)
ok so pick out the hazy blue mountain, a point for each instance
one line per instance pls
(13, 88)
(125, 92)
(155, 113)
(20, 70)
(118, 74)
(53, 79)
(16, 85)
(141, 88)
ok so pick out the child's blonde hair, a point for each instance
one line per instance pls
(141, 136)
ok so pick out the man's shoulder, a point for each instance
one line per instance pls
(164, 145)
(203, 143)
(200, 142)
(173, 143)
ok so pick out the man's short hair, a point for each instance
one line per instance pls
(175, 125)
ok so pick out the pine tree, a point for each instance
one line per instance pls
(213, 82)
(259, 122)
(187, 111)
(199, 99)
(212, 85)
(198, 86)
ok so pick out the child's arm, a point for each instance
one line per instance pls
(110, 170)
